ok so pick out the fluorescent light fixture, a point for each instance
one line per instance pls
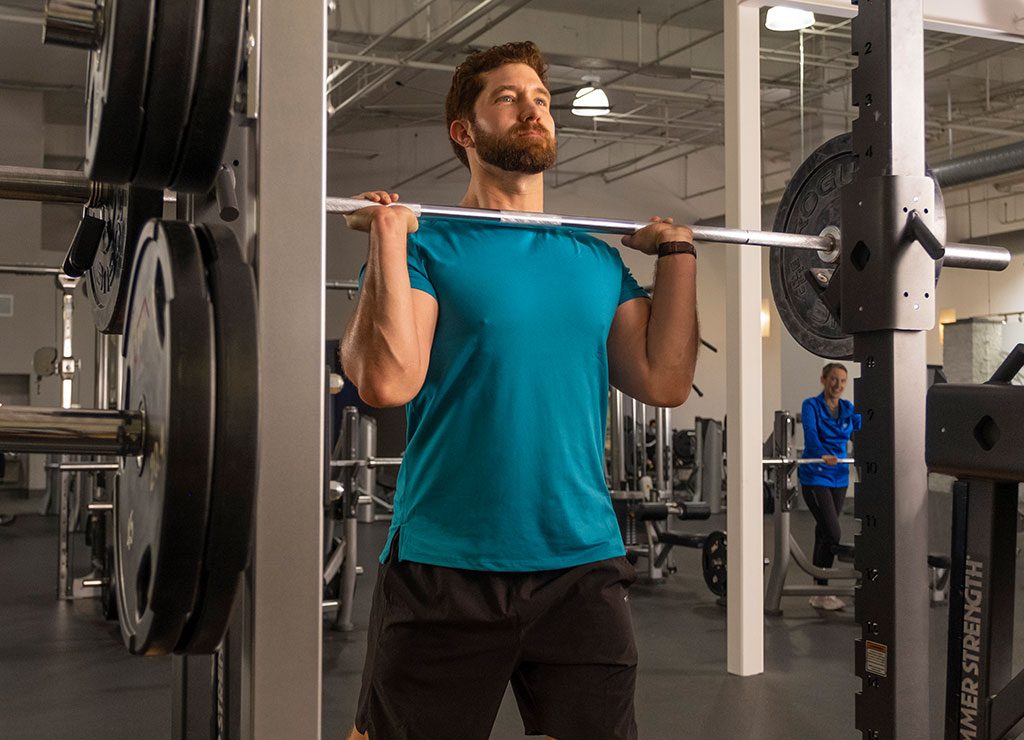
(590, 99)
(781, 18)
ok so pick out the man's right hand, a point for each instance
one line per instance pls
(830, 459)
(365, 218)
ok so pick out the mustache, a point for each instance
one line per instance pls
(530, 129)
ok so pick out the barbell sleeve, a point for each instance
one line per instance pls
(976, 257)
(71, 431)
(48, 185)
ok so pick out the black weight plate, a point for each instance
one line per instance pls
(713, 562)
(173, 62)
(236, 439)
(811, 202)
(116, 90)
(213, 96)
(127, 211)
(162, 501)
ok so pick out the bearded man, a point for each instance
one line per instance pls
(504, 562)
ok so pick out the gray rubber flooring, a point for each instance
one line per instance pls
(64, 674)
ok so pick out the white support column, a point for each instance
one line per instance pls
(743, 331)
(285, 649)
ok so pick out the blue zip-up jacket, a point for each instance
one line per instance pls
(824, 435)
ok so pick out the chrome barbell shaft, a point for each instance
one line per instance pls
(804, 461)
(71, 431)
(595, 225)
(368, 462)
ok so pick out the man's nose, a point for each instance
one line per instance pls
(530, 111)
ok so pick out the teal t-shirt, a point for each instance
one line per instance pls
(504, 462)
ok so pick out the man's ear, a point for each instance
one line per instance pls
(459, 131)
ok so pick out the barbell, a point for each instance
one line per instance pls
(806, 248)
(804, 261)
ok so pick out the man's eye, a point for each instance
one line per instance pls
(506, 97)
(542, 101)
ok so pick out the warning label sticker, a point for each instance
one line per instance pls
(876, 658)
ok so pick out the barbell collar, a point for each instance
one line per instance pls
(72, 431)
(74, 23)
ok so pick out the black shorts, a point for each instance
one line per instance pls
(444, 643)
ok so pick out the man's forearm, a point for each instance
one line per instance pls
(672, 331)
(380, 347)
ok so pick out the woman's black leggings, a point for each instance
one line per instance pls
(826, 504)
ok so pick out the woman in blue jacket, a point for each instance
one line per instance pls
(828, 422)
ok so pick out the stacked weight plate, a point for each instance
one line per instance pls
(184, 508)
(160, 90)
(160, 87)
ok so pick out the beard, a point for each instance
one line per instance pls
(514, 153)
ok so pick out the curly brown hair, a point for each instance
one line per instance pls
(467, 83)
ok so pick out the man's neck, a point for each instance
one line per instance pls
(490, 187)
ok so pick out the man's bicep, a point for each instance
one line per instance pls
(424, 307)
(627, 347)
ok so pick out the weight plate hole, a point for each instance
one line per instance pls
(860, 255)
(160, 296)
(142, 579)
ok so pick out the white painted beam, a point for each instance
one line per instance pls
(745, 655)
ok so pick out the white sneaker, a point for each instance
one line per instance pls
(828, 603)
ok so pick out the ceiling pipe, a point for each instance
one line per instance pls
(980, 165)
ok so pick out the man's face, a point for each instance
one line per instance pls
(512, 128)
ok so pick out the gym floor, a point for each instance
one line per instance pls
(65, 674)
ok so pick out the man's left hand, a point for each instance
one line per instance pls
(659, 231)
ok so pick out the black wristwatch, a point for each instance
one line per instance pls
(667, 248)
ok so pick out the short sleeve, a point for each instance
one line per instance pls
(629, 288)
(417, 269)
